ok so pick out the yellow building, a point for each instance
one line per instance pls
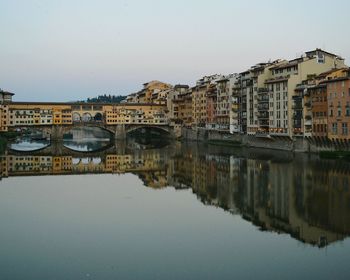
(33, 114)
(4, 117)
(135, 114)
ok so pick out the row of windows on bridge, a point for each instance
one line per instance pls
(76, 117)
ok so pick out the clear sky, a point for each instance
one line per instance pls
(66, 50)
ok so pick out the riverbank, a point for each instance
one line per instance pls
(345, 155)
(283, 143)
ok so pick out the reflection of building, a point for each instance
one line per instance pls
(306, 198)
(281, 198)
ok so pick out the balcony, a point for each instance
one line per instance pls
(263, 123)
(297, 116)
(263, 99)
(308, 123)
(297, 97)
(297, 107)
(262, 90)
(263, 115)
(263, 107)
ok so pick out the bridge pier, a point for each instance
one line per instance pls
(57, 132)
(120, 132)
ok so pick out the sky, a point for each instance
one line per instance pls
(68, 50)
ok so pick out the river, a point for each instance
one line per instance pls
(173, 211)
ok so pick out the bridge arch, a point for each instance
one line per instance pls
(86, 117)
(76, 117)
(156, 127)
(98, 117)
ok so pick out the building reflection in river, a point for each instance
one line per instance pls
(300, 195)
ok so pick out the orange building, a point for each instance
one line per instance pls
(338, 101)
(211, 106)
(318, 96)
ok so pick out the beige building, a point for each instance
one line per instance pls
(284, 79)
(224, 101)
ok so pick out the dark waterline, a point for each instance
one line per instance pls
(185, 211)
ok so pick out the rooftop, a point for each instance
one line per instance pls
(6, 92)
(313, 52)
(181, 86)
(325, 74)
(290, 63)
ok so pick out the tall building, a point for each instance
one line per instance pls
(174, 95)
(285, 78)
(199, 105)
(212, 95)
(224, 100)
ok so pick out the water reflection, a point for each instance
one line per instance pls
(301, 195)
(26, 144)
(87, 139)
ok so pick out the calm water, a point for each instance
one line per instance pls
(183, 211)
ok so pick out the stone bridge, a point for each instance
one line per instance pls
(118, 132)
(56, 118)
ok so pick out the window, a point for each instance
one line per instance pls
(347, 111)
(334, 128)
(345, 128)
(320, 58)
(339, 111)
(285, 85)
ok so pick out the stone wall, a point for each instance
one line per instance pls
(297, 144)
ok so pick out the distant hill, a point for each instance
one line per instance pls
(106, 99)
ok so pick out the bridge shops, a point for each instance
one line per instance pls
(23, 115)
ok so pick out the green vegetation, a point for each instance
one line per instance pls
(225, 143)
(335, 155)
(106, 99)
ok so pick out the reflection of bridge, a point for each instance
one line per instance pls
(59, 148)
(110, 161)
